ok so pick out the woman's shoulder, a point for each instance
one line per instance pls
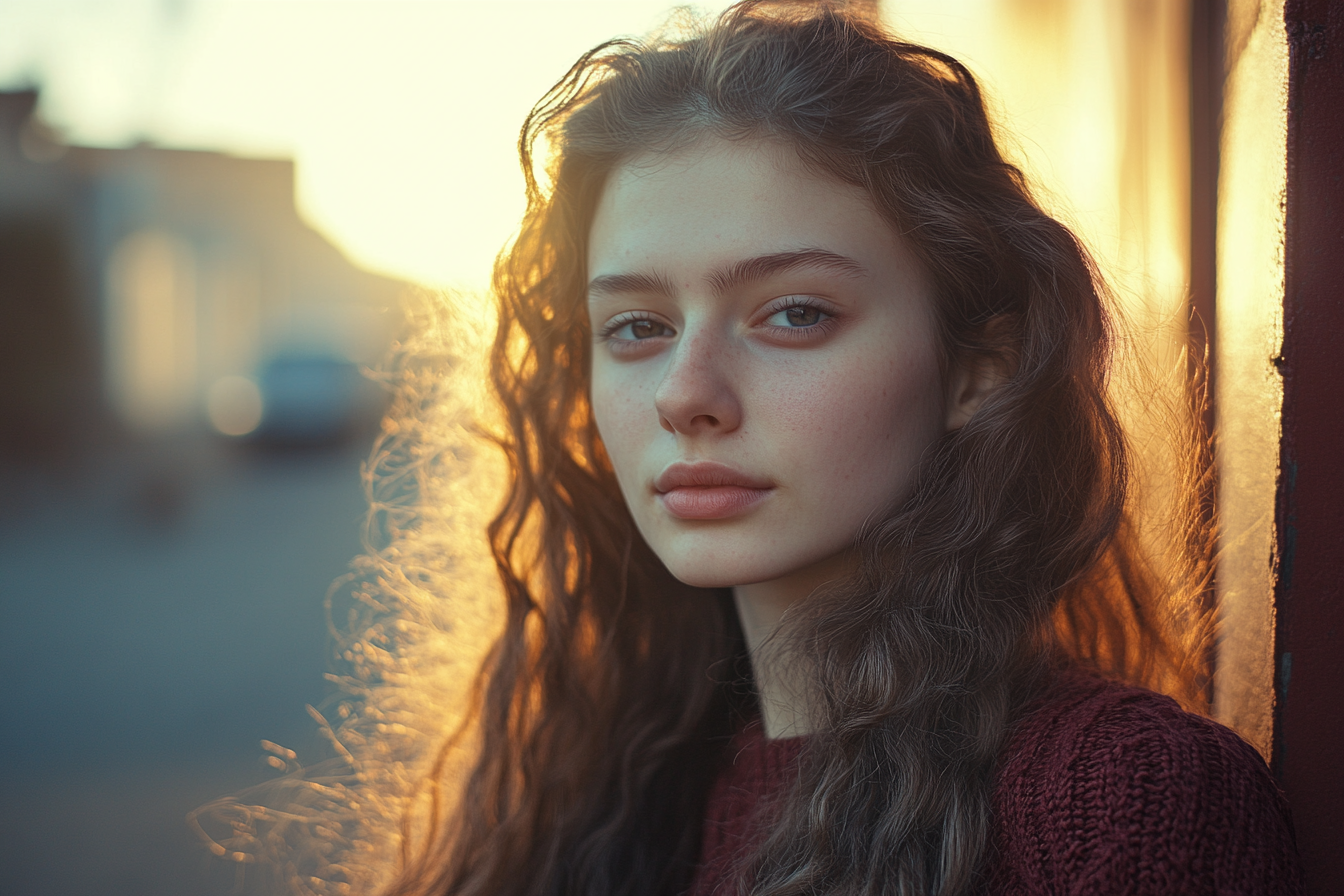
(1106, 787)
(1089, 723)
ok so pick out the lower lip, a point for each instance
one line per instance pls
(712, 503)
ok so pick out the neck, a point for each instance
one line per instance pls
(783, 686)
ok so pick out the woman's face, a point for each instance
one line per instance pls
(764, 376)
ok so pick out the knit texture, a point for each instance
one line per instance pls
(1102, 789)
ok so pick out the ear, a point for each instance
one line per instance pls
(971, 383)
(976, 375)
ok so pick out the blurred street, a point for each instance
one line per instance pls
(162, 613)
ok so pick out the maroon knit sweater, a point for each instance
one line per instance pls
(1103, 789)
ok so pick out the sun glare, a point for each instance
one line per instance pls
(402, 117)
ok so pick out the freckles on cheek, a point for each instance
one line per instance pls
(825, 425)
(801, 405)
(861, 414)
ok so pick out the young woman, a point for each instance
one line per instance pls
(817, 552)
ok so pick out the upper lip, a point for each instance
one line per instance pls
(705, 474)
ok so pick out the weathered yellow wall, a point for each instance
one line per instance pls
(1092, 97)
(1250, 334)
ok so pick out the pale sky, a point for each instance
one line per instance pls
(402, 115)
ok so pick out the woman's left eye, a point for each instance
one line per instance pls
(797, 316)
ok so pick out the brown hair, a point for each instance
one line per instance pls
(605, 702)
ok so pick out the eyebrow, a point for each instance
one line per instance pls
(748, 270)
(618, 284)
(752, 270)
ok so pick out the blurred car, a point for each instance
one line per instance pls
(315, 398)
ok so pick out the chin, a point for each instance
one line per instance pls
(699, 571)
(702, 569)
(700, 578)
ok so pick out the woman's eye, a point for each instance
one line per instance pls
(636, 330)
(797, 316)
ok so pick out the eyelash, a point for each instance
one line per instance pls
(785, 303)
(607, 334)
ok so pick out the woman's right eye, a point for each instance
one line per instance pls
(636, 329)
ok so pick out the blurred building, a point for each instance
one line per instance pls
(145, 291)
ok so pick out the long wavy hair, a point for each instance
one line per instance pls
(605, 703)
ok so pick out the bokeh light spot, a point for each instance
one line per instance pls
(234, 405)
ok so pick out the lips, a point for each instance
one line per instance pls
(709, 491)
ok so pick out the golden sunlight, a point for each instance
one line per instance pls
(1251, 229)
(402, 119)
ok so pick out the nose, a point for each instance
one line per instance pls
(697, 395)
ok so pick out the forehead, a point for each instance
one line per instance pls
(717, 201)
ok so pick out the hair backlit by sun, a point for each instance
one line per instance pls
(410, 624)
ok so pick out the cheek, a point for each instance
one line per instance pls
(860, 428)
(617, 413)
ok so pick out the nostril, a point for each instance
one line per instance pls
(699, 421)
